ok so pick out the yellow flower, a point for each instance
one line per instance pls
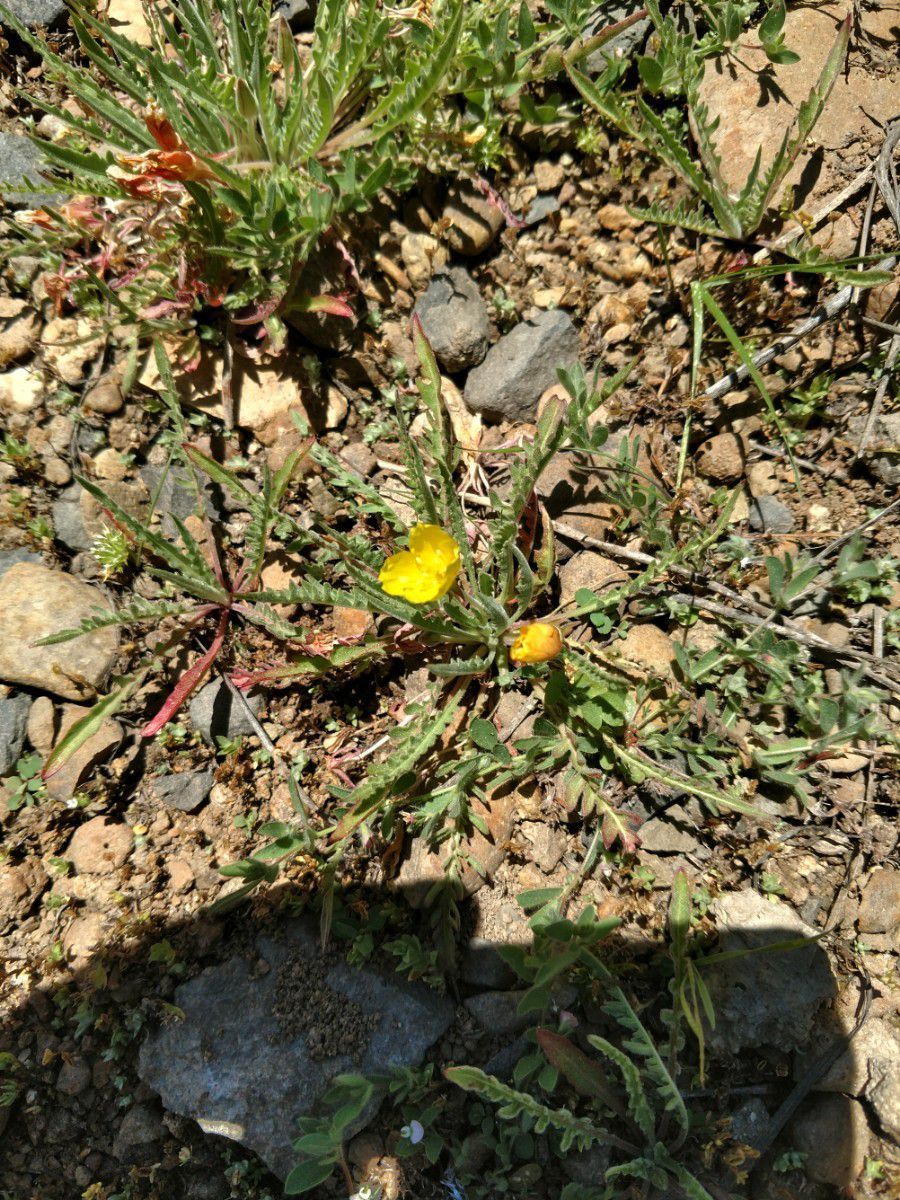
(426, 571)
(536, 643)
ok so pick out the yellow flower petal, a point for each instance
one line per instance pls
(536, 643)
(435, 551)
(426, 571)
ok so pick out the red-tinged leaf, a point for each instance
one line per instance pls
(189, 680)
(618, 826)
(585, 1075)
(494, 198)
(261, 313)
(335, 306)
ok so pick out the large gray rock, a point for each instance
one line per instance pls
(13, 723)
(37, 602)
(767, 997)
(455, 319)
(216, 712)
(240, 1062)
(521, 366)
(36, 12)
(21, 159)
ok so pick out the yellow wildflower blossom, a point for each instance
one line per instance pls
(536, 643)
(427, 570)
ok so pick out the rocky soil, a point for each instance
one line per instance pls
(153, 1053)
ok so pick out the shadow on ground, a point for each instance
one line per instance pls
(239, 1021)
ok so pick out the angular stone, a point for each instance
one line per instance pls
(769, 997)
(669, 833)
(454, 318)
(879, 908)
(63, 783)
(216, 712)
(21, 159)
(624, 43)
(497, 1012)
(423, 868)
(13, 723)
(185, 791)
(21, 390)
(36, 12)
(232, 1066)
(521, 366)
(36, 602)
(832, 1132)
(590, 570)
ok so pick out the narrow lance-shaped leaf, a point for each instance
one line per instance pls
(188, 681)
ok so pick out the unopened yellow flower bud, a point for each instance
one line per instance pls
(536, 643)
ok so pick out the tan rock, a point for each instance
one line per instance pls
(262, 392)
(20, 390)
(69, 344)
(422, 255)
(589, 569)
(610, 311)
(105, 396)
(352, 624)
(56, 471)
(473, 221)
(181, 875)
(99, 846)
(280, 572)
(84, 937)
(127, 18)
(647, 646)
(108, 465)
(63, 784)
(721, 458)
(756, 102)
(18, 339)
(615, 217)
(41, 728)
(37, 602)
(549, 175)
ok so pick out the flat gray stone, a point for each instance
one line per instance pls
(67, 515)
(669, 833)
(20, 159)
(769, 997)
(455, 319)
(13, 723)
(768, 515)
(232, 1067)
(9, 558)
(36, 12)
(521, 366)
(216, 712)
(623, 44)
(185, 791)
